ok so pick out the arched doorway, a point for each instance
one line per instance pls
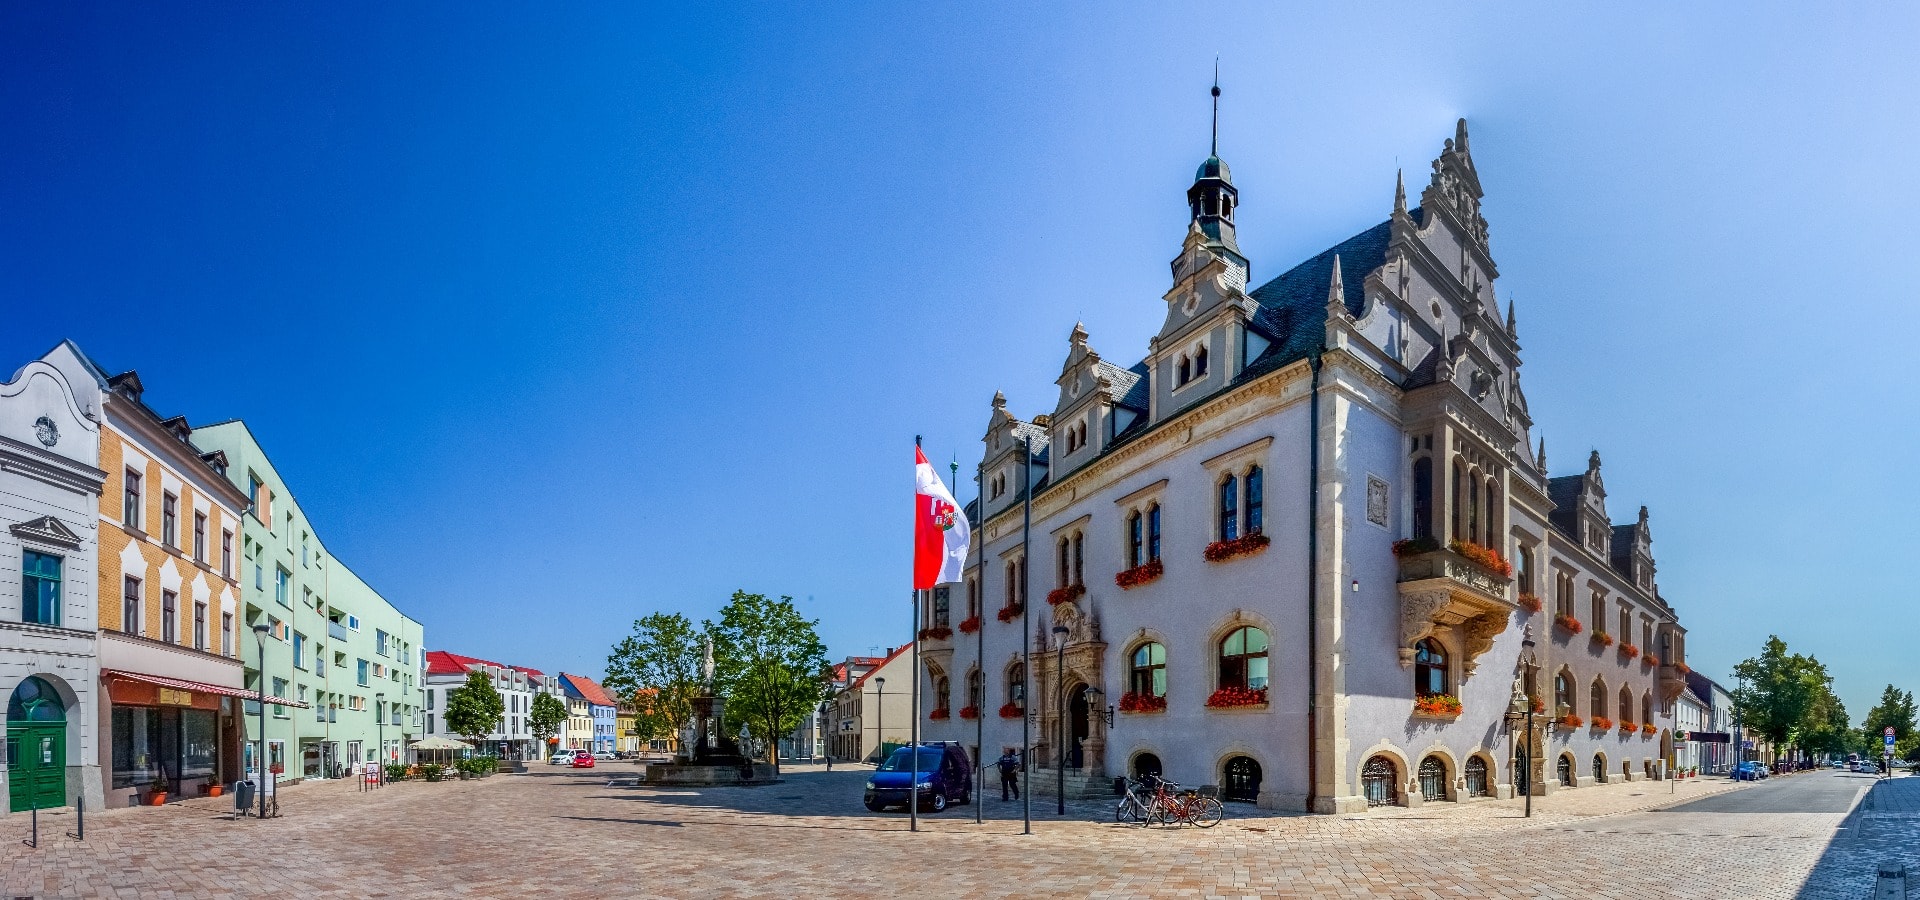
(1077, 727)
(1146, 764)
(1379, 780)
(1433, 779)
(1477, 783)
(1522, 771)
(1242, 781)
(36, 747)
(1565, 770)
(1600, 768)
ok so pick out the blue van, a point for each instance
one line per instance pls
(946, 776)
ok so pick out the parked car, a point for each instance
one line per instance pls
(583, 760)
(1750, 771)
(605, 756)
(946, 776)
(561, 758)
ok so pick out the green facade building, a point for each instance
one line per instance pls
(346, 663)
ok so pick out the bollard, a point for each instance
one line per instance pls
(34, 841)
(1892, 883)
(79, 819)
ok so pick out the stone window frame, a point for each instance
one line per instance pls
(1143, 502)
(1133, 669)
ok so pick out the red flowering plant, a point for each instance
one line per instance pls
(1140, 574)
(1140, 703)
(1539, 705)
(1530, 602)
(1629, 651)
(1571, 721)
(1602, 723)
(971, 625)
(1221, 551)
(1415, 546)
(1484, 557)
(1651, 660)
(1011, 711)
(941, 713)
(1571, 624)
(1649, 729)
(1603, 639)
(939, 633)
(1681, 668)
(1066, 594)
(969, 712)
(1629, 727)
(1010, 612)
(1437, 704)
(1237, 696)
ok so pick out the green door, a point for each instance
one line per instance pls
(37, 767)
(36, 747)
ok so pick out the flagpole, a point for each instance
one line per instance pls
(980, 645)
(913, 733)
(1026, 641)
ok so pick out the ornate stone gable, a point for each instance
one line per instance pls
(1455, 190)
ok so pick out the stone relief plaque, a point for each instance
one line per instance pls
(1377, 501)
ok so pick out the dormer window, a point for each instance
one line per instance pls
(1183, 373)
(1200, 362)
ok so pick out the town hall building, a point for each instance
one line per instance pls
(1308, 549)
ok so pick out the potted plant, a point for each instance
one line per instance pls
(157, 797)
(211, 787)
(433, 771)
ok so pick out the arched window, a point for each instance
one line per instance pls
(1430, 668)
(1153, 531)
(1600, 768)
(973, 598)
(1229, 508)
(1423, 497)
(1242, 781)
(1017, 685)
(1256, 489)
(1063, 564)
(1473, 508)
(1433, 779)
(1200, 362)
(1562, 694)
(942, 606)
(1147, 674)
(1564, 770)
(1599, 612)
(34, 700)
(1012, 584)
(1243, 659)
(976, 688)
(1646, 708)
(1136, 539)
(1563, 595)
(1458, 502)
(1146, 765)
(1185, 373)
(1379, 781)
(1079, 557)
(1492, 511)
(1478, 785)
(1597, 698)
(1626, 704)
(1523, 569)
(942, 688)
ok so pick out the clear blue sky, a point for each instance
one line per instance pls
(557, 317)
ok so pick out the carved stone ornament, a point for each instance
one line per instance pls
(46, 431)
(1480, 633)
(1417, 611)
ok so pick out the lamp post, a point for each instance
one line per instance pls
(380, 719)
(1520, 710)
(1060, 713)
(260, 759)
(880, 717)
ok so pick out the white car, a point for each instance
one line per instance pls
(604, 756)
(562, 758)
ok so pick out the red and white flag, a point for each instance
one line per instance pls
(939, 529)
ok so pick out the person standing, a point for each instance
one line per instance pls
(1009, 766)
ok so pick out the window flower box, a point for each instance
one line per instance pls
(941, 713)
(1651, 660)
(1602, 723)
(1484, 557)
(1011, 711)
(1140, 574)
(1627, 728)
(1415, 546)
(1603, 639)
(969, 712)
(1681, 668)
(1221, 551)
(1649, 729)
(1629, 651)
(1530, 602)
(1010, 612)
(971, 625)
(1066, 594)
(1131, 702)
(939, 633)
(1571, 624)
(1437, 705)
(1570, 722)
(1229, 697)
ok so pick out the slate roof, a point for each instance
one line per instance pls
(1565, 494)
(1126, 384)
(1293, 306)
(1621, 549)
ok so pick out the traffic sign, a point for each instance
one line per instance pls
(1889, 731)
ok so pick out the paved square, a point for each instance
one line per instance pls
(565, 831)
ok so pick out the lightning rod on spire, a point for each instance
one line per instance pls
(1214, 149)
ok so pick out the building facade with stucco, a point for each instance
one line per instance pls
(1307, 549)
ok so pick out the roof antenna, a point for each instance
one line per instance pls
(1215, 150)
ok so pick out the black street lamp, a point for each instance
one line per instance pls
(1060, 711)
(260, 760)
(1519, 710)
(380, 719)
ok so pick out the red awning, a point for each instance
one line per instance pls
(185, 685)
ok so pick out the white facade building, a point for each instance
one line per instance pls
(1306, 546)
(513, 736)
(874, 708)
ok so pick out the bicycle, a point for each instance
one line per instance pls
(1185, 807)
(1132, 808)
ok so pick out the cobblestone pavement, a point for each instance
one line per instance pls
(565, 830)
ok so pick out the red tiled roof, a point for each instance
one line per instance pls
(589, 689)
(878, 666)
(441, 662)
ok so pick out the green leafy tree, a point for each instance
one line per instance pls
(1896, 710)
(1782, 693)
(1829, 729)
(546, 717)
(772, 665)
(474, 709)
(658, 669)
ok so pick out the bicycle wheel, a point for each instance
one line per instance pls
(1207, 812)
(1128, 810)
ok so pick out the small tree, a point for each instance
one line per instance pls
(657, 667)
(474, 709)
(545, 718)
(771, 664)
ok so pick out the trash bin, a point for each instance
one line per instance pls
(1119, 786)
(242, 797)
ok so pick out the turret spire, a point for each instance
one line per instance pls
(1399, 192)
(1541, 459)
(1336, 291)
(1511, 330)
(1214, 147)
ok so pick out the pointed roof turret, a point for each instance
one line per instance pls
(1511, 330)
(1541, 459)
(1336, 291)
(1212, 199)
(1399, 192)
